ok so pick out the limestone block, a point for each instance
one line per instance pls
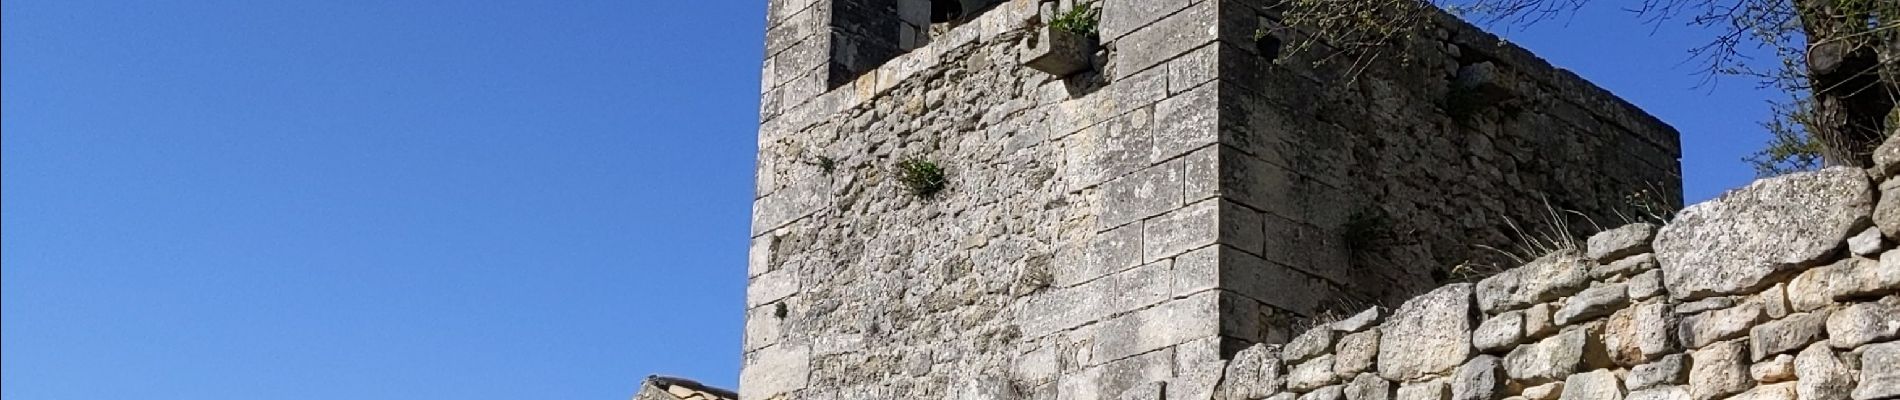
(1547, 391)
(1435, 389)
(1887, 213)
(1646, 285)
(1786, 335)
(1660, 393)
(1058, 52)
(1254, 373)
(1626, 266)
(1551, 359)
(1594, 385)
(1867, 243)
(774, 370)
(1887, 158)
(1368, 386)
(1705, 305)
(1482, 378)
(1429, 334)
(1592, 303)
(1547, 278)
(1702, 329)
(1538, 322)
(1774, 300)
(1777, 369)
(1862, 323)
(1638, 334)
(1499, 333)
(1142, 194)
(1784, 391)
(1624, 241)
(1718, 370)
(1879, 372)
(1334, 392)
(1356, 353)
(1822, 375)
(1313, 343)
(1734, 243)
(1311, 375)
(1668, 370)
(1364, 319)
(1145, 391)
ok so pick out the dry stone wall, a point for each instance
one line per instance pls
(1786, 289)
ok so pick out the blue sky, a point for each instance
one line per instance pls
(219, 199)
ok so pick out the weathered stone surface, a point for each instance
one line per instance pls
(1254, 373)
(1435, 389)
(1482, 378)
(1311, 374)
(1499, 333)
(1718, 370)
(1777, 369)
(773, 370)
(1368, 386)
(1547, 278)
(1669, 370)
(1786, 335)
(1887, 213)
(1866, 243)
(1879, 372)
(1887, 158)
(1620, 242)
(1429, 334)
(1702, 329)
(1359, 322)
(1145, 391)
(1594, 385)
(1538, 322)
(1861, 324)
(1847, 279)
(1548, 391)
(1313, 343)
(1660, 393)
(1356, 353)
(1646, 285)
(1592, 303)
(1551, 359)
(1784, 391)
(1334, 392)
(1627, 266)
(1638, 334)
(1705, 305)
(1774, 301)
(1737, 241)
(1822, 376)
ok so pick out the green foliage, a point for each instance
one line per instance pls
(1082, 19)
(922, 177)
(1790, 148)
(827, 164)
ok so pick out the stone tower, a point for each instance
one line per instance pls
(1181, 190)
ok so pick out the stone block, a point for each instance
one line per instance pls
(1867, 243)
(1553, 358)
(1718, 371)
(1786, 335)
(1594, 385)
(1482, 378)
(1368, 386)
(1186, 122)
(1626, 266)
(1334, 392)
(1142, 194)
(1315, 342)
(1547, 391)
(1430, 334)
(1879, 372)
(1734, 243)
(1660, 393)
(1174, 322)
(1638, 334)
(1862, 323)
(1254, 373)
(1119, 17)
(1358, 322)
(1435, 389)
(1356, 353)
(1623, 241)
(1547, 278)
(1538, 321)
(1191, 227)
(1499, 333)
(1592, 303)
(1784, 391)
(1646, 285)
(1311, 374)
(1667, 370)
(1773, 370)
(1822, 375)
(774, 370)
(1702, 329)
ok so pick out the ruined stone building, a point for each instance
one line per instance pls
(1129, 214)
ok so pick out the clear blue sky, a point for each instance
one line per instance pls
(225, 199)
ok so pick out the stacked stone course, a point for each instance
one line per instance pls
(1755, 295)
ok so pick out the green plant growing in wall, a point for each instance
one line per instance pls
(1083, 19)
(922, 177)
